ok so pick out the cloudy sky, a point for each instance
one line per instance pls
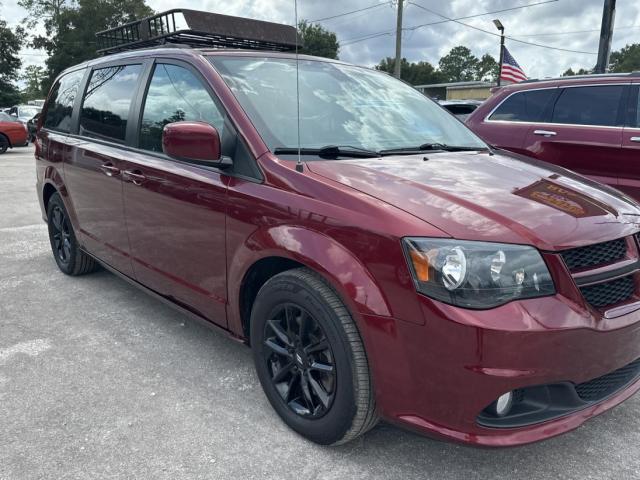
(368, 35)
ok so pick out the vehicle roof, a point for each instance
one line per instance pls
(186, 52)
(573, 80)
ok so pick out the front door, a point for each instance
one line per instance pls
(584, 133)
(175, 210)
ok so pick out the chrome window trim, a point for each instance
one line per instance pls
(519, 122)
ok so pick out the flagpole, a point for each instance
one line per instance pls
(500, 27)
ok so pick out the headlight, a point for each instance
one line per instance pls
(477, 274)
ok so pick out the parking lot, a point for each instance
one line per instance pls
(98, 380)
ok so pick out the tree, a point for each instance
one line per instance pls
(419, 73)
(459, 65)
(487, 68)
(70, 27)
(33, 76)
(569, 72)
(9, 63)
(318, 41)
(627, 59)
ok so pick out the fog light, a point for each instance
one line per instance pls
(503, 404)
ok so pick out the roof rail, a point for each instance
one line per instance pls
(198, 29)
(586, 76)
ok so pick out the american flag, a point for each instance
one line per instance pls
(511, 71)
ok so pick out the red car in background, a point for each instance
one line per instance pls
(589, 124)
(12, 132)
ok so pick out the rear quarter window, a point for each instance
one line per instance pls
(527, 106)
(60, 104)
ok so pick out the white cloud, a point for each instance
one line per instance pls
(431, 42)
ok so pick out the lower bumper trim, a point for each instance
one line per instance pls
(542, 403)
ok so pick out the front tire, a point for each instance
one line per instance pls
(310, 358)
(66, 252)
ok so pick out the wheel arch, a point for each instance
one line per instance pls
(269, 252)
(8, 139)
(47, 192)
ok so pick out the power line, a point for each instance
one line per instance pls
(352, 11)
(551, 34)
(497, 35)
(363, 38)
(472, 16)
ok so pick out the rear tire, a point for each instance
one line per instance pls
(66, 252)
(4, 143)
(310, 358)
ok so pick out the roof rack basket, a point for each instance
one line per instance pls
(197, 29)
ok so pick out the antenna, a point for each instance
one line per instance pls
(299, 167)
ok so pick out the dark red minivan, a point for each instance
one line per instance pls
(378, 257)
(589, 124)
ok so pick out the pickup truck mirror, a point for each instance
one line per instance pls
(195, 141)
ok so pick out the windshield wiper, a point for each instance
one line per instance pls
(330, 151)
(431, 147)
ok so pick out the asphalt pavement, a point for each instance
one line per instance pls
(99, 380)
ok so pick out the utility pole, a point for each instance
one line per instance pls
(606, 34)
(500, 27)
(396, 66)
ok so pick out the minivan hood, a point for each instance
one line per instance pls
(501, 198)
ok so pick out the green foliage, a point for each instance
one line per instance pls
(33, 76)
(9, 64)
(627, 59)
(417, 73)
(487, 68)
(71, 26)
(569, 72)
(317, 40)
(457, 66)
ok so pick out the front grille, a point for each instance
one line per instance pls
(603, 386)
(609, 293)
(592, 255)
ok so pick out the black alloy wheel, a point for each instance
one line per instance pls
(66, 251)
(310, 358)
(300, 360)
(60, 235)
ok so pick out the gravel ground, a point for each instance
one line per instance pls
(98, 380)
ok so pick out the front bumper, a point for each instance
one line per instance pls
(438, 377)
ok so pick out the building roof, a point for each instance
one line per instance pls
(466, 84)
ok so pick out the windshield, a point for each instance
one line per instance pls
(340, 105)
(28, 111)
(5, 117)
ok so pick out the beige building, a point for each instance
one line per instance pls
(457, 90)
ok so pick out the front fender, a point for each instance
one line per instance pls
(321, 253)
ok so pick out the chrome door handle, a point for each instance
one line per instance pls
(109, 170)
(635, 139)
(134, 176)
(545, 133)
